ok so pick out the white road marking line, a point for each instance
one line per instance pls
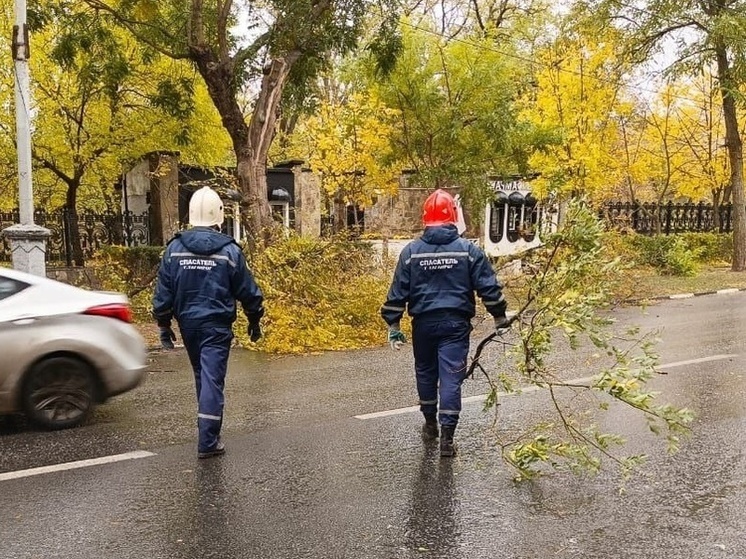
(682, 296)
(534, 388)
(387, 413)
(74, 465)
(726, 291)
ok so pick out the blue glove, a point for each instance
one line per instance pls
(396, 337)
(502, 325)
(167, 337)
(255, 331)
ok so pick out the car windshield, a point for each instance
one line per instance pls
(9, 287)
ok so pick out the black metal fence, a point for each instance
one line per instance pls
(96, 230)
(668, 218)
(127, 229)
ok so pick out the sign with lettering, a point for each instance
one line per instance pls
(510, 185)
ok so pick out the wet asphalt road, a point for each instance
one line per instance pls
(303, 478)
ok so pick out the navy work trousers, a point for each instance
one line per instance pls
(441, 348)
(208, 351)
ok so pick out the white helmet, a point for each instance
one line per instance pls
(205, 208)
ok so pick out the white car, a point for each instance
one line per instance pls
(63, 349)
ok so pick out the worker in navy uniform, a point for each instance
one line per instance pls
(202, 276)
(435, 280)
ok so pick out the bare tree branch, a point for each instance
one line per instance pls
(250, 51)
(52, 166)
(224, 10)
(478, 15)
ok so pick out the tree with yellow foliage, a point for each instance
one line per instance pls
(101, 101)
(664, 158)
(702, 131)
(348, 143)
(579, 92)
(260, 46)
(672, 147)
(456, 120)
(699, 35)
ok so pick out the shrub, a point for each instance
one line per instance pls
(319, 295)
(679, 260)
(712, 248)
(622, 246)
(129, 270)
(676, 255)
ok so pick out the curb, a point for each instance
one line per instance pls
(678, 296)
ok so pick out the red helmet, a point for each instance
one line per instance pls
(439, 209)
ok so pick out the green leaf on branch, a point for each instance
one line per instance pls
(565, 300)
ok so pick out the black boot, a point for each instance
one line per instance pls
(219, 450)
(447, 448)
(430, 428)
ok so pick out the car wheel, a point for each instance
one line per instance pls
(59, 392)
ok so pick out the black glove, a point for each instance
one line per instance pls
(255, 331)
(502, 324)
(167, 337)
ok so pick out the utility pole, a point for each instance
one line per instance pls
(27, 240)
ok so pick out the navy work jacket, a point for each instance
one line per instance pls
(438, 274)
(202, 275)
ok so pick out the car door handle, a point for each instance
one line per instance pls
(23, 321)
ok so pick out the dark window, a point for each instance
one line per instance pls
(497, 216)
(9, 287)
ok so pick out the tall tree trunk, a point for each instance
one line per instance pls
(253, 177)
(74, 246)
(735, 157)
(251, 142)
(716, 196)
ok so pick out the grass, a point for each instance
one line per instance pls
(649, 284)
(640, 284)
